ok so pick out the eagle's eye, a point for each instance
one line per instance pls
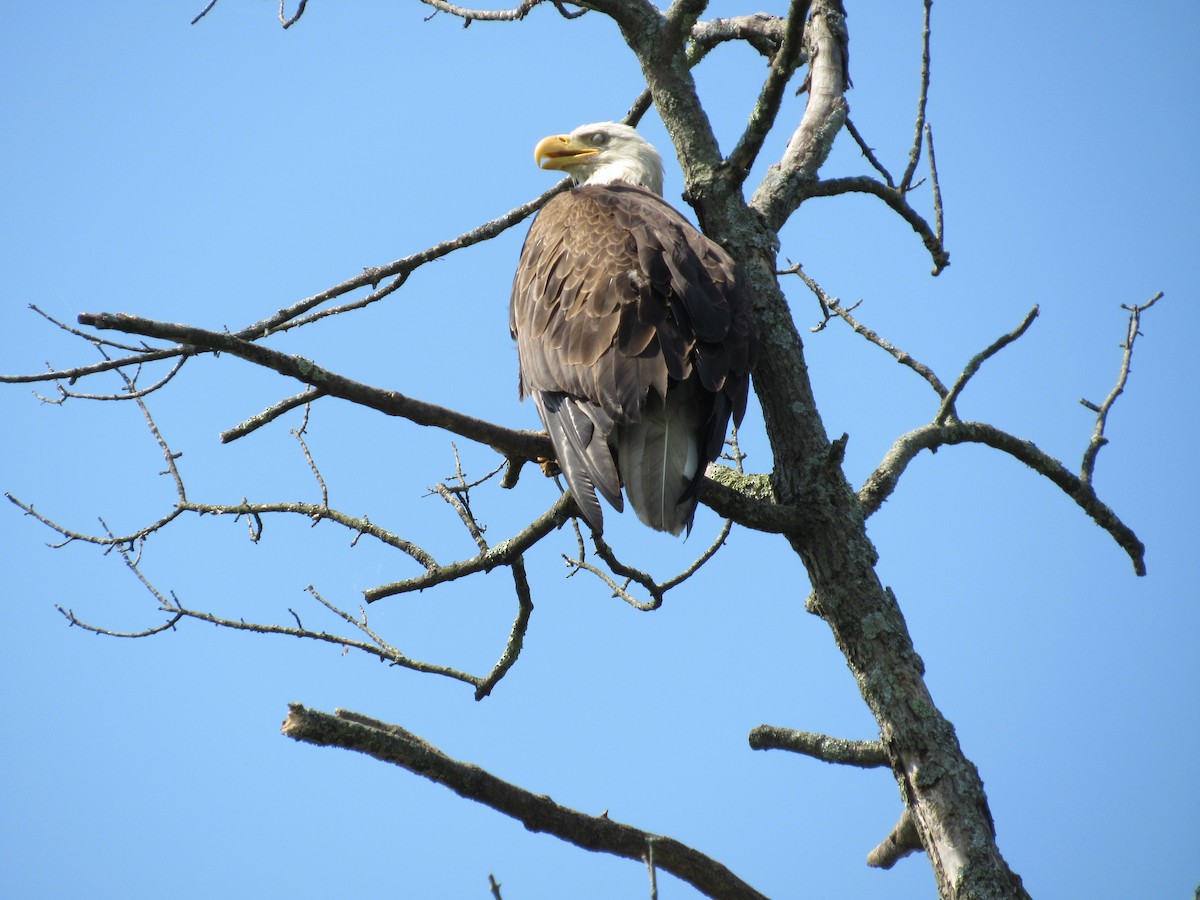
(599, 138)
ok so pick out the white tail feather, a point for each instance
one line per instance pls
(658, 458)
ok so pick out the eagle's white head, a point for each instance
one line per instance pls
(603, 153)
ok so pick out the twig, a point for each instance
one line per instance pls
(947, 411)
(83, 335)
(516, 637)
(896, 200)
(287, 22)
(656, 590)
(459, 499)
(312, 465)
(914, 154)
(515, 14)
(204, 12)
(939, 229)
(69, 615)
(168, 456)
(1098, 440)
(130, 393)
(868, 152)
(833, 306)
(503, 554)
(270, 414)
(76, 372)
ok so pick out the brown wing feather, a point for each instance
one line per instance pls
(616, 295)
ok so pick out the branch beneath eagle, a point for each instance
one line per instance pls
(537, 812)
(753, 510)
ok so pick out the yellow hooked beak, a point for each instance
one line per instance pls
(560, 152)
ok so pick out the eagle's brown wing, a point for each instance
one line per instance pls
(634, 332)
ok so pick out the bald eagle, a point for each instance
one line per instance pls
(634, 331)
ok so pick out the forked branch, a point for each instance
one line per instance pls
(947, 429)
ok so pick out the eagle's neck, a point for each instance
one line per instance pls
(642, 170)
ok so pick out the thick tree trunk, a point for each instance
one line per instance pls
(939, 784)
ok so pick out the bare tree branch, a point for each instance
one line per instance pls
(395, 745)
(762, 118)
(308, 395)
(903, 840)
(503, 554)
(785, 185)
(947, 412)
(869, 153)
(288, 21)
(883, 480)
(939, 225)
(895, 199)
(914, 154)
(1098, 439)
(293, 316)
(833, 307)
(204, 12)
(514, 14)
(863, 754)
(529, 444)
(516, 636)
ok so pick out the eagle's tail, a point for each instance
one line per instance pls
(661, 460)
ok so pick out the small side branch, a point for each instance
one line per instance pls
(656, 590)
(868, 152)
(833, 307)
(947, 411)
(204, 12)
(903, 840)
(395, 745)
(288, 21)
(516, 637)
(271, 414)
(914, 154)
(863, 754)
(515, 14)
(503, 554)
(896, 200)
(1098, 439)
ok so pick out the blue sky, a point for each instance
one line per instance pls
(213, 173)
